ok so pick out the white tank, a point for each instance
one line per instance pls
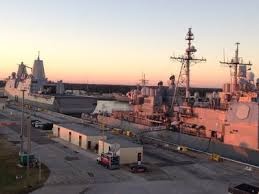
(145, 91)
(250, 76)
(151, 92)
(214, 94)
(60, 87)
(226, 87)
(135, 96)
(155, 92)
(196, 95)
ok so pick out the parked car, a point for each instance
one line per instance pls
(138, 168)
(243, 189)
(35, 123)
(41, 125)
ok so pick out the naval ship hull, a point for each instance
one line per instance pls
(206, 145)
(72, 105)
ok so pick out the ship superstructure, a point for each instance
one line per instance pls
(186, 60)
(40, 92)
(232, 117)
(229, 117)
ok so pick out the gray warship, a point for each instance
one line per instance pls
(38, 91)
(226, 122)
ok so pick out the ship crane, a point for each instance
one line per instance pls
(22, 70)
(186, 61)
(234, 64)
(26, 66)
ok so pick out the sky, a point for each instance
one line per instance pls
(115, 41)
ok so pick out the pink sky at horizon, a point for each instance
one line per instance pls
(115, 42)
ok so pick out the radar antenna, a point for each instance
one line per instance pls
(186, 60)
(234, 64)
(143, 80)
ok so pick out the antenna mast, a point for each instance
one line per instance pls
(143, 80)
(186, 60)
(235, 63)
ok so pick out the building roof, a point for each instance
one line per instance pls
(122, 142)
(86, 130)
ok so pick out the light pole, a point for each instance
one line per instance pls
(103, 141)
(102, 126)
(22, 120)
(28, 125)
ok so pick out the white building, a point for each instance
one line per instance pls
(129, 152)
(80, 135)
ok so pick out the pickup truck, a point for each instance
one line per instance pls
(243, 189)
(109, 161)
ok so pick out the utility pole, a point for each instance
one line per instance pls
(28, 146)
(39, 169)
(22, 123)
(102, 126)
(103, 137)
(186, 61)
(234, 64)
(29, 134)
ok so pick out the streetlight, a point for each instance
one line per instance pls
(28, 125)
(103, 107)
(22, 119)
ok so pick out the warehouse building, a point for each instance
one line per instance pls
(129, 152)
(80, 135)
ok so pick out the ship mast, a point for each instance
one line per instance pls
(186, 61)
(143, 80)
(234, 64)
